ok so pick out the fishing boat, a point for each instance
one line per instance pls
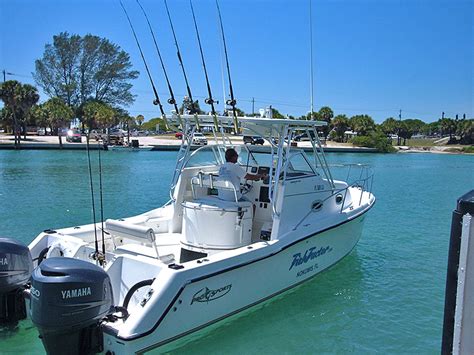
(129, 285)
(129, 148)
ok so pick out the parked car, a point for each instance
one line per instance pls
(253, 140)
(199, 139)
(178, 135)
(304, 137)
(95, 134)
(74, 136)
(118, 132)
(63, 132)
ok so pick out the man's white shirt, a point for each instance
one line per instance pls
(233, 173)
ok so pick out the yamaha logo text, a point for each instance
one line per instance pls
(78, 292)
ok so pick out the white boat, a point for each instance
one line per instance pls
(129, 148)
(199, 258)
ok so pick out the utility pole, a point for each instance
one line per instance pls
(399, 127)
(253, 106)
(4, 75)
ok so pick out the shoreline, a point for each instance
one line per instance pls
(167, 143)
(156, 143)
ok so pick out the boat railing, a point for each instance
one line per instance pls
(213, 181)
(362, 175)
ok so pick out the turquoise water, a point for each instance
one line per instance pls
(387, 296)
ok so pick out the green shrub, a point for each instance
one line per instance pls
(469, 149)
(375, 140)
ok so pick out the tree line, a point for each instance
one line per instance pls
(86, 78)
(375, 135)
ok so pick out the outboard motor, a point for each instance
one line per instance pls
(16, 266)
(69, 298)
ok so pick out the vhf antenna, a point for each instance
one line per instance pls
(311, 57)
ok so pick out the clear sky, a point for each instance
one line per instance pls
(370, 56)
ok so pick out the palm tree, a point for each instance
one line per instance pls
(96, 113)
(448, 126)
(362, 124)
(325, 114)
(465, 129)
(18, 99)
(9, 92)
(59, 115)
(140, 120)
(340, 123)
(28, 98)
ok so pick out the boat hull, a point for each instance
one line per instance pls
(206, 299)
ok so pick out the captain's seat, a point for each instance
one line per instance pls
(210, 222)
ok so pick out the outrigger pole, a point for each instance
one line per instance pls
(178, 53)
(232, 100)
(209, 100)
(157, 98)
(171, 100)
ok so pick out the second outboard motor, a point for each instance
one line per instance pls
(16, 266)
(69, 298)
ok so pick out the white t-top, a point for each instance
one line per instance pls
(233, 173)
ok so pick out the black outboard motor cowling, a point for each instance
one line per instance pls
(69, 297)
(16, 266)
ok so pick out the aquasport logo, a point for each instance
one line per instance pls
(206, 295)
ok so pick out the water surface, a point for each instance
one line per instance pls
(387, 296)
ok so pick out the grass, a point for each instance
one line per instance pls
(417, 142)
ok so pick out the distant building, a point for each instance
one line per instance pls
(349, 135)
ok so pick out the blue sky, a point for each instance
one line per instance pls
(370, 57)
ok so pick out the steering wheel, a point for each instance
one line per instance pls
(246, 187)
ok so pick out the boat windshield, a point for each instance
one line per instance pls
(206, 156)
(298, 165)
(214, 155)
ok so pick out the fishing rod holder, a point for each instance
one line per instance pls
(211, 101)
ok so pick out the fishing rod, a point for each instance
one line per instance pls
(171, 100)
(101, 203)
(209, 100)
(157, 98)
(232, 102)
(178, 52)
(96, 254)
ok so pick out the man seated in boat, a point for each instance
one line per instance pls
(233, 173)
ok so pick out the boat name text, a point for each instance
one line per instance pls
(4, 261)
(77, 292)
(206, 295)
(309, 254)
